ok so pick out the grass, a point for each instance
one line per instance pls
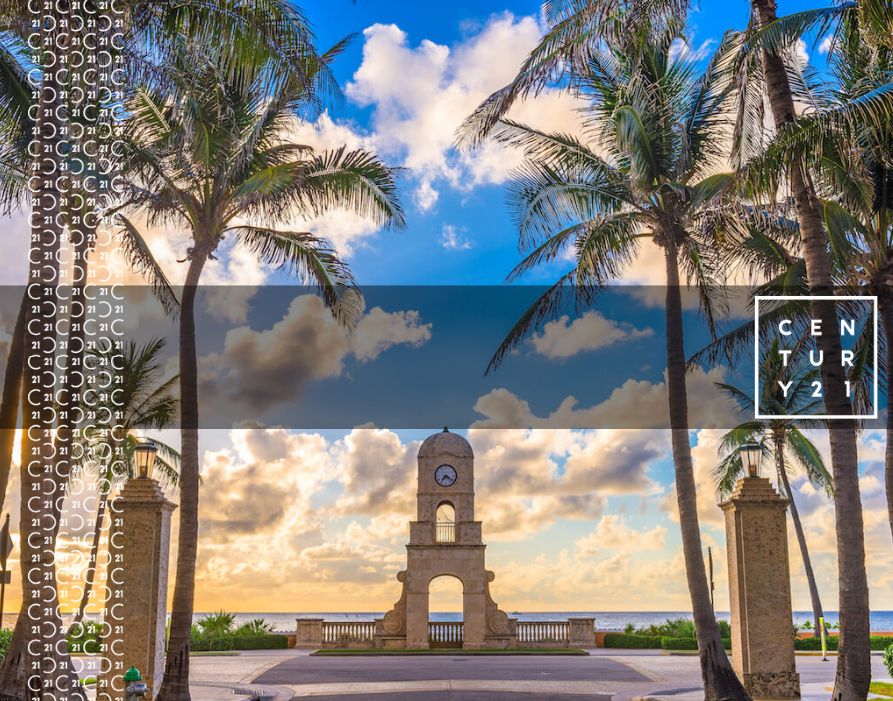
(373, 652)
(881, 688)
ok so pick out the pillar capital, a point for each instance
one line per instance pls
(760, 590)
(144, 491)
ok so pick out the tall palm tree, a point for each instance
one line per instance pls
(850, 148)
(782, 442)
(659, 123)
(144, 401)
(854, 663)
(209, 162)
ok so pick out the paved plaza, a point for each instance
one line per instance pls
(605, 675)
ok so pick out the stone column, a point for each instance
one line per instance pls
(309, 633)
(417, 620)
(581, 632)
(760, 590)
(136, 607)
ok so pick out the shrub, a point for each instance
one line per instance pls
(814, 644)
(5, 637)
(85, 639)
(727, 643)
(637, 642)
(216, 625)
(668, 643)
(676, 628)
(888, 659)
(258, 626)
(881, 642)
(205, 643)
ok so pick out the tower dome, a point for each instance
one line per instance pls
(446, 443)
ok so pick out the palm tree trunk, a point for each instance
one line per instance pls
(94, 552)
(175, 686)
(854, 657)
(12, 394)
(885, 304)
(720, 681)
(780, 466)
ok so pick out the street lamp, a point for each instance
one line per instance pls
(751, 454)
(144, 455)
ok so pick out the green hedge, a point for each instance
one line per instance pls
(815, 644)
(637, 642)
(86, 641)
(678, 643)
(239, 642)
(881, 642)
(5, 637)
(877, 642)
(888, 659)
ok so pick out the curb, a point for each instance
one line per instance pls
(251, 692)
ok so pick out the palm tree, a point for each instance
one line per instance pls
(854, 662)
(850, 148)
(781, 440)
(658, 123)
(144, 402)
(207, 162)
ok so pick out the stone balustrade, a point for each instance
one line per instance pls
(316, 633)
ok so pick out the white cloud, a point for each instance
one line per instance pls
(453, 238)
(682, 49)
(378, 330)
(425, 196)
(614, 532)
(636, 403)
(564, 338)
(259, 369)
(826, 44)
(801, 53)
(416, 117)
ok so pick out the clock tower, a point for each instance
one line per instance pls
(445, 540)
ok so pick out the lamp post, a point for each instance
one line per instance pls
(751, 454)
(144, 456)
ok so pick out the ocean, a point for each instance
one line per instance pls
(604, 620)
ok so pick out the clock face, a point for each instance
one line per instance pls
(445, 475)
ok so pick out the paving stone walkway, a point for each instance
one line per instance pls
(605, 675)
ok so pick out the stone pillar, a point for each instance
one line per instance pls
(136, 607)
(416, 620)
(760, 590)
(309, 633)
(581, 632)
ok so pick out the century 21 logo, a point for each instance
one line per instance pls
(784, 328)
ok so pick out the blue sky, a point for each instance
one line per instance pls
(417, 255)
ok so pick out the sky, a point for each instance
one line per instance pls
(574, 519)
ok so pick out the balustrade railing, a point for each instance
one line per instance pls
(345, 633)
(445, 531)
(543, 631)
(446, 634)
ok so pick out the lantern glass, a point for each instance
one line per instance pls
(144, 455)
(751, 454)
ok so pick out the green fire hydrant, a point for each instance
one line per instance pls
(134, 686)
